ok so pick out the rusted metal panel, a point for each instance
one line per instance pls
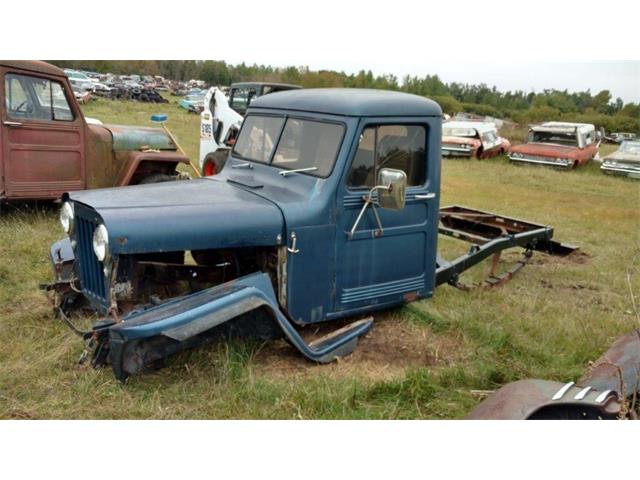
(527, 399)
(619, 368)
(41, 159)
(127, 138)
(99, 159)
(136, 164)
(600, 393)
(34, 66)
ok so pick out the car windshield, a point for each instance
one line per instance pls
(559, 138)
(458, 132)
(302, 144)
(630, 147)
(78, 76)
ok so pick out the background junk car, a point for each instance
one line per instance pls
(558, 144)
(337, 189)
(472, 139)
(48, 147)
(625, 160)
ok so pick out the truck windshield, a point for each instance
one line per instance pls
(558, 138)
(303, 143)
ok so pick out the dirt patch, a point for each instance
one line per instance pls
(386, 352)
(576, 286)
(577, 257)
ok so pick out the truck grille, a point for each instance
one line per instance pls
(90, 269)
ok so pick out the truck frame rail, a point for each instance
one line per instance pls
(490, 234)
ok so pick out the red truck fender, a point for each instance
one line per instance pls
(141, 164)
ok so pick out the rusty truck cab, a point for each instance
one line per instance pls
(48, 147)
(43, 132)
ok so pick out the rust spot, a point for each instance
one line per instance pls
(410, 297)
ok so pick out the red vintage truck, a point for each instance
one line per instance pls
(48, 147)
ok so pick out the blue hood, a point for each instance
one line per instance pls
(183, 215)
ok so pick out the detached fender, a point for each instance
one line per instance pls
(529, 399)
(148, 161)
(182, 319)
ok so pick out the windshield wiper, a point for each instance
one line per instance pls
(285, 173)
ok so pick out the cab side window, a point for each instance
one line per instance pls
(33, 98)
(402, 147)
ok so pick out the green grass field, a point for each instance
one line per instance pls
(425, 360)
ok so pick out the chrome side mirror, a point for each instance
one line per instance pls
(393, 184)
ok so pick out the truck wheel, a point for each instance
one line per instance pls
(215, 162)
(157, 178)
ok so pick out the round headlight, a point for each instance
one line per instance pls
(101, 242)
(66, 217)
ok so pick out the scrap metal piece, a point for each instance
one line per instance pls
(618, 368)
(601, 393)
(544, 399)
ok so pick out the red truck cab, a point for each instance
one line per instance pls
(48, 147)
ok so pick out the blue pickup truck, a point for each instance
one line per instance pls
(328, 208)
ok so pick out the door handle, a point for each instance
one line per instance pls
(426, 196)
(12, 124)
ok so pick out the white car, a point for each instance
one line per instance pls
(79, 81)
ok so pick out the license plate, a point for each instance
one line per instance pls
(206, 130)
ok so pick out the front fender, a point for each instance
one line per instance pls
(182, 320)
(147, 160)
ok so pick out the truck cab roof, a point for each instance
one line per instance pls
(265, 84)
(35, 66)
(353, 102)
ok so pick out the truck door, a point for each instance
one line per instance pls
(397, 264)
(42, 138)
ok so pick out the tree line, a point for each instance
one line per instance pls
(520, 106)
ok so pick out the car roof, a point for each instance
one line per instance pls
(479, 126)
(564, 127)
(33, 66)
(350, 102)
(264, 84)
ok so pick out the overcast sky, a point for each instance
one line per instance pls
(512, 45)
(621, 78)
